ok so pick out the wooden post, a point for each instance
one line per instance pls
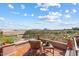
(1, 51)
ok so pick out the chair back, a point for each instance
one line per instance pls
(35, 44)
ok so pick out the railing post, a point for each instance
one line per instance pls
(1, 51)
(76, 53)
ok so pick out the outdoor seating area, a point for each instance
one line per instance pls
(50, 48)
(32, 48)
(41, 47)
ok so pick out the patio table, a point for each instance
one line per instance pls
(50, 47)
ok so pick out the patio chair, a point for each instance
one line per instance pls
(35, 46)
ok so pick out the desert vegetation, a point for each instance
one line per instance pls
(55, 35)
(6, 39)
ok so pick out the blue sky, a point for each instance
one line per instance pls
(39, 15)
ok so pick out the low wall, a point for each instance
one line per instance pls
(56, 44)
(59, 45)
(22, 48)
(16, 49)
(8, 49)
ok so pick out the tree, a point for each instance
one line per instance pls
(1, 34)
(76, 28)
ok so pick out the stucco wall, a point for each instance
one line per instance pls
(22, 48)
(59, 45)
(17, 49)
(9, 50)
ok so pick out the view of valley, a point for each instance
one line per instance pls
(39, 29)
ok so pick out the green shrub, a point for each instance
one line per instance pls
(8, 39)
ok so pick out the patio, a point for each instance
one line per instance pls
(24, 48)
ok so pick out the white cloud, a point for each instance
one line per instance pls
(66, 11)
(40, 5)
(54, 4)
(74, 3)
(2, 18)
(43, 9)
(25, 14)
(74, 10)
(11, 6)
(22, 6)
(67, 15)
(55, 13)
(69, 25)
(51, 17)
(32, 14)
(46, 5)
(15, 12)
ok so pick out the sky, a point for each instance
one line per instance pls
(39, 15)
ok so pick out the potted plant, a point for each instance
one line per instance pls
(69, 41)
